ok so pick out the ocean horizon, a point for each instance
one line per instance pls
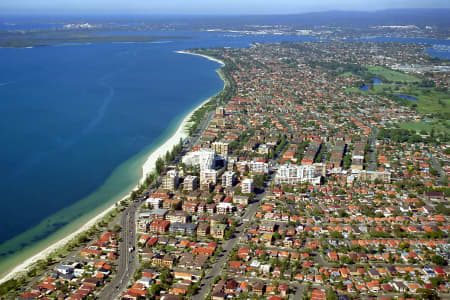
(80, 120)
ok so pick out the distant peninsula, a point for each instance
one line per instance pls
(49, 39)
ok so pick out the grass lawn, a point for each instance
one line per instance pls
(431, 100)
(439, 126)
(354, 90)
(390, 75)
(348, 74)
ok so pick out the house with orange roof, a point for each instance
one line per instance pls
(318, 295)
(333, 256)
(373, 286)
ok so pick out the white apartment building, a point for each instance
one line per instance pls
(190, 183)
(203, 158)
(247, 186)
(254, 166)
(154, 202)
(208, 176)
(293, 174)
(170, 180)
(259, 167)
(220, 148)
(228, 179)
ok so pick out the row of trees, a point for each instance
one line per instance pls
(170, 156)
(399, 135)
(221, 98)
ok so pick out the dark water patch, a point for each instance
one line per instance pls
(364, 88)
(377, 80)
(406, 97)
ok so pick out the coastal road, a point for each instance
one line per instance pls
(201, 128)
(127, 259)
(227, 246)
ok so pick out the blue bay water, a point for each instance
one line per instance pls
(70, 115)
(438, 48)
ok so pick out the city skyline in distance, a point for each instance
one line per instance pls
(204, 7)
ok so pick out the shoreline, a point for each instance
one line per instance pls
(202, 55)
(181, 132)
(147, 167)
(25, 266)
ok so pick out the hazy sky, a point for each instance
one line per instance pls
(207, 6)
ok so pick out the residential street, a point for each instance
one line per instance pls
(227, 247)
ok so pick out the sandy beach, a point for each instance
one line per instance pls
(202, 55)
(148, 167)
(23, 267)
(181, 133)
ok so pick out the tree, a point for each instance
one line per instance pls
(159, 165)
(10, 285)
(439, 260)
(258, 181)
(228, 234)
(336, 235)
(331, 295)
(346, 260)
(433, 172)
(165, 276)
(403, 245)
(116, 228)
(427, 294)
(155, 289)
(436, 281)
(82, 238)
